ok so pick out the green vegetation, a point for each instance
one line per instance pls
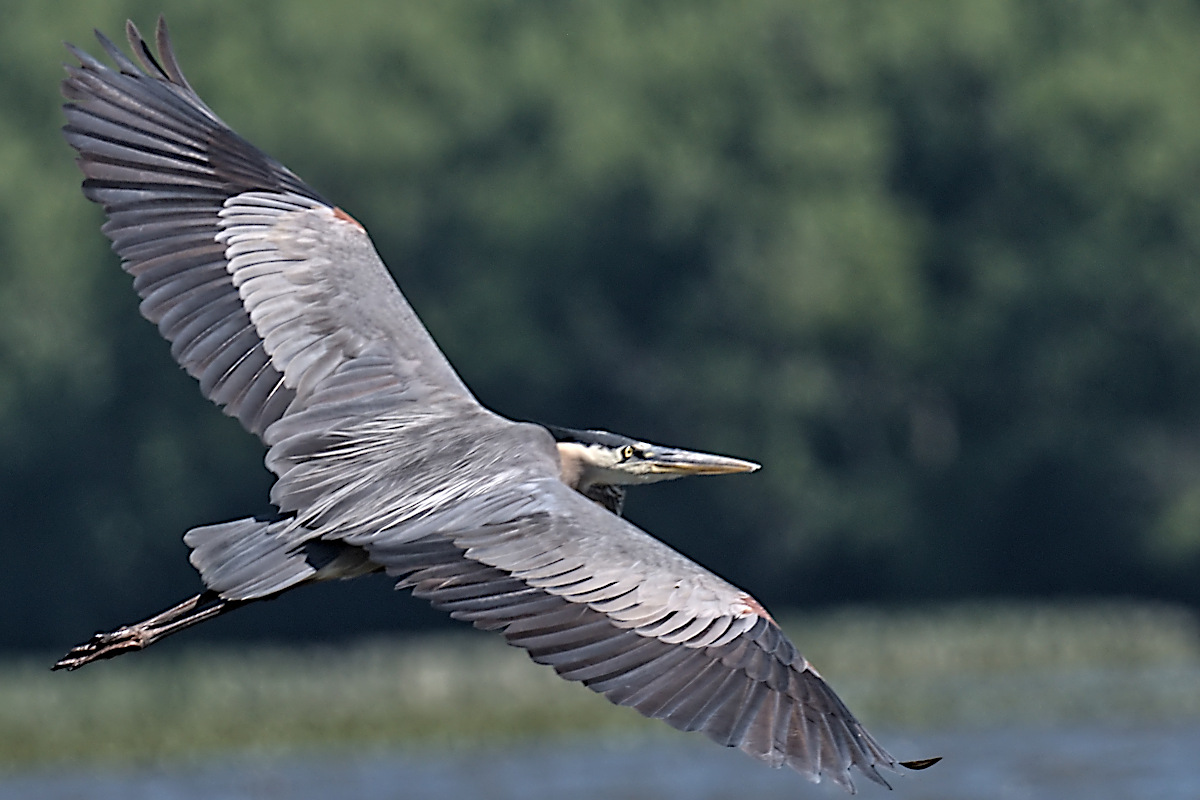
(982, 664)
(933, 264)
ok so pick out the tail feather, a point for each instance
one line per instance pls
(249, 559)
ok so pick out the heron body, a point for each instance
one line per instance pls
(276, 302)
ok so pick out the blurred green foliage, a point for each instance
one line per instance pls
(944, 667)
(933, 264)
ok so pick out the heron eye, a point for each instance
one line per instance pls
(627, 452)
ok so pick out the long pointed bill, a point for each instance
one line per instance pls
(671, 462)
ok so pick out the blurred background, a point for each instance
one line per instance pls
(935, 265)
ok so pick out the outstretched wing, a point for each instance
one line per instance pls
(607, 605)
(262, 287)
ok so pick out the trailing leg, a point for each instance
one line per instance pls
(140, 635)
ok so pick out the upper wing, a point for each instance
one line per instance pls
(262, 287)
(608, 605)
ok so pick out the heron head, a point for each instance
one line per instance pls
(600, 458)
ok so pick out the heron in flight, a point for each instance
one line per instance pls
(277, 303)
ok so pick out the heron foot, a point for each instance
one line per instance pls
(103, 645)
(140, 635)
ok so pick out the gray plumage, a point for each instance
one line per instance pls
(277, 303)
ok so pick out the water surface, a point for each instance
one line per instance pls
(1014, 763)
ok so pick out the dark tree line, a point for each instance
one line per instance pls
(933, 264)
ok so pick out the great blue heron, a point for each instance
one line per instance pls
(276, 301)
